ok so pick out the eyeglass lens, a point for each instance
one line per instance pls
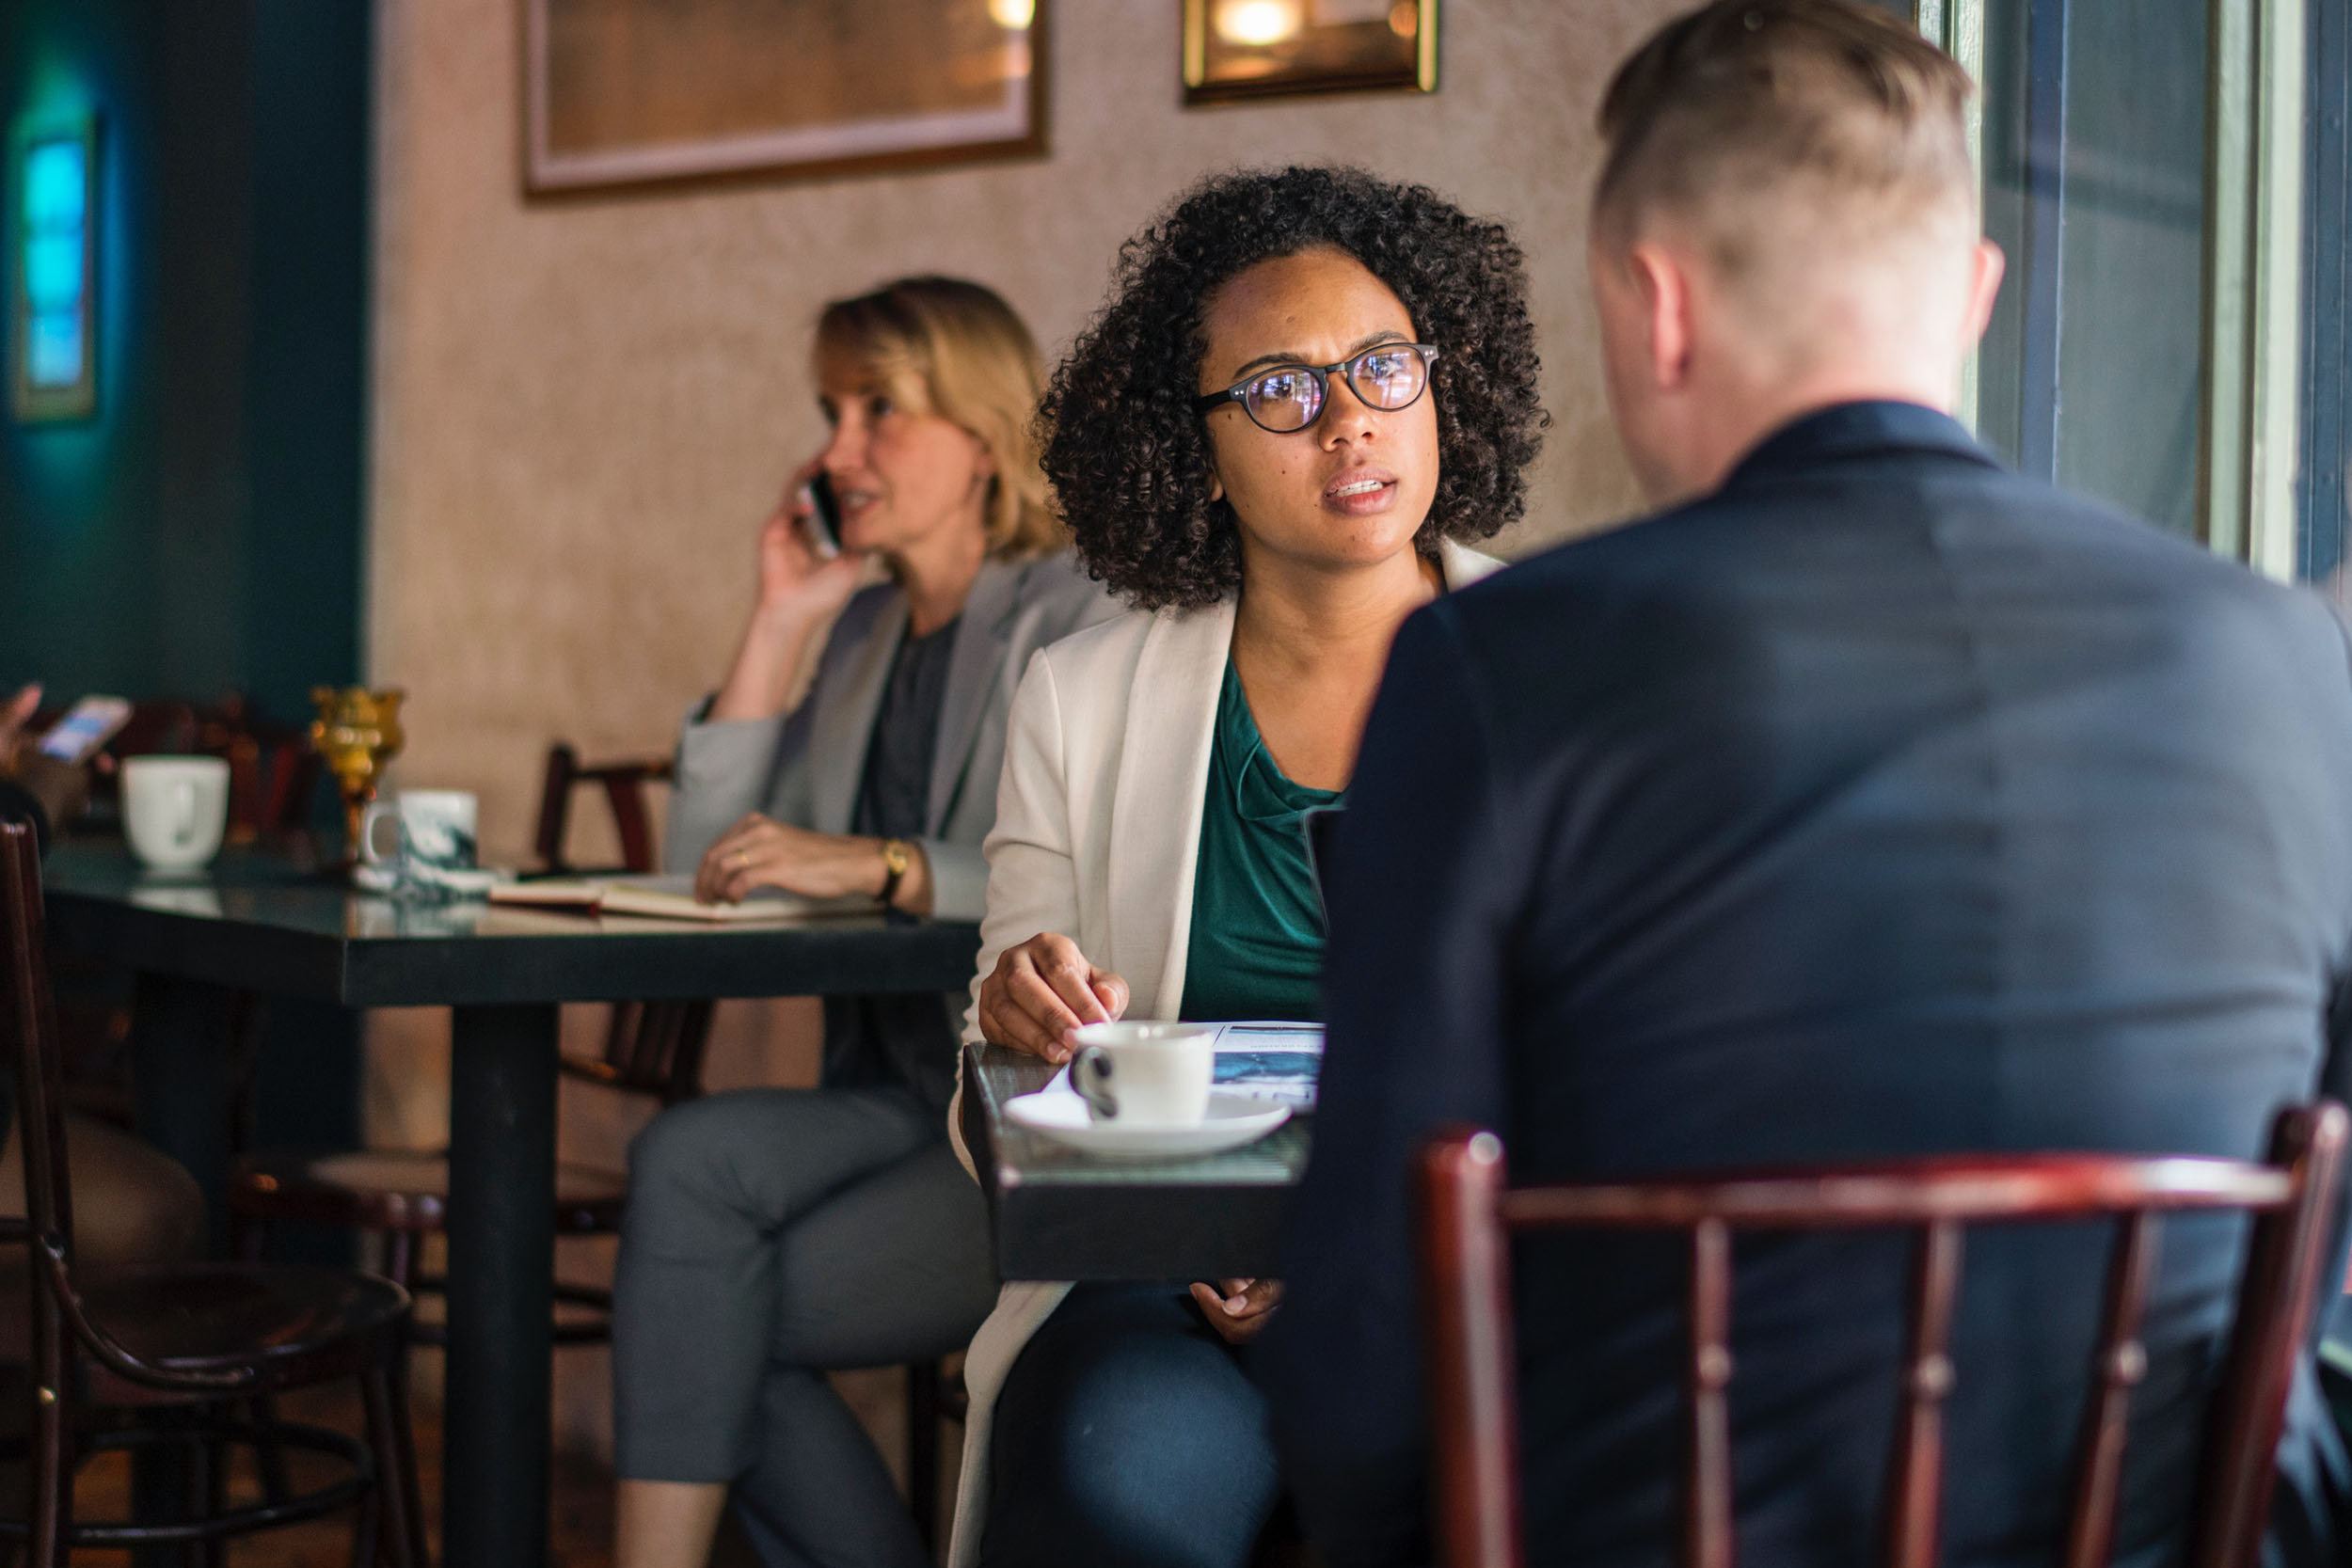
(1289, 399)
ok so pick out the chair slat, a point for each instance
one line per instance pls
(1707, 1512)
(1915, 1473)
(2274, 1301)
(2117, 1366)
(1466, 1310)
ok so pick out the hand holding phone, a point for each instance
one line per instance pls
(87, 727)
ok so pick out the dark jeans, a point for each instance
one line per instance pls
(1128, 1436)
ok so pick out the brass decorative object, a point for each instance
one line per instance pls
(356, 732)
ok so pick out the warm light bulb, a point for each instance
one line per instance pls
(1013, 15)
(1256, 24)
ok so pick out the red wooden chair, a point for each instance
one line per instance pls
(1469, 1216)
(624, 786)
(189, 1346)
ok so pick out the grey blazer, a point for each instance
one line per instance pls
(804, 767)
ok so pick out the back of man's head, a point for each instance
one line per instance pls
(1771, 126)
(1810, 155)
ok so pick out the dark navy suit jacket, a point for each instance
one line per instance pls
(1883, 802)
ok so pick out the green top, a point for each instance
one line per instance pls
(1257, 922)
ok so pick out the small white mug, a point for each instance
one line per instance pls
(1145, 1074)
(175, 809)
(433, 831)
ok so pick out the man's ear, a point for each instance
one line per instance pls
(1986, 272)
(1665, 289)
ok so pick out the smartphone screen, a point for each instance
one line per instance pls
(86, 726)
(824, 521)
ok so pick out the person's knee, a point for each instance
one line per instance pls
(1148, 1448)
(685, 1144)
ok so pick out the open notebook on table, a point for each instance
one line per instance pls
(672, 898)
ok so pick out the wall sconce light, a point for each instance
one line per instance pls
(54, 347)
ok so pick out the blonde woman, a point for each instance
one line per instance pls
(772, 1234)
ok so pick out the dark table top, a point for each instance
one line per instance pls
(274, 923)
(1061, 1215)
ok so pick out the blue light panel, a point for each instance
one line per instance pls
(56, 241)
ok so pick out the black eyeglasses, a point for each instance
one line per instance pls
(1289, 398)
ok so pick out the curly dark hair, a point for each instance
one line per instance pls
(1129, 459)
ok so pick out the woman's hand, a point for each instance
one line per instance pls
(1042, 990)
(759, 852)
(793, 578)
(798, 590)
(1238, 1308)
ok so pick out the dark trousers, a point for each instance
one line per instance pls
(1128, 1436)
(773, 1235)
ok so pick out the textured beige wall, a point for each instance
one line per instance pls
(584, 408)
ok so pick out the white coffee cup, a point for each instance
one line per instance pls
(175, 809)
(1145, 1074)
(433, 831)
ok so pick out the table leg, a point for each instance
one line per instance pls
(501, 1271)
(182, 1073)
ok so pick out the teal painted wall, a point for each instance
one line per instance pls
(203, 531)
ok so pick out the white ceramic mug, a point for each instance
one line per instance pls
(1146, 1074)
(433, 831)
(175, 809)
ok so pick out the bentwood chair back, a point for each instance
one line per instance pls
(624, 786)
(209, 1339)
(650, 1047)
(1470, 1217)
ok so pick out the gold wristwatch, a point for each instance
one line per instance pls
(898, 854)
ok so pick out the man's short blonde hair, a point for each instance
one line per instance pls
(945, 346)
(1751, 123)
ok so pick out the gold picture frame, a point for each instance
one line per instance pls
(632, 92)
(1237, 51)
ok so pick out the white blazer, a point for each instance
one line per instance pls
(1098, 828)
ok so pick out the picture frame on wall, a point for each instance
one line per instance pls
(629, 92)
(1242, 50)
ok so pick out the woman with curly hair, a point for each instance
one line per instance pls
(1309, 388)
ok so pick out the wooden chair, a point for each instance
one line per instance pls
(624, 786)
(1468, 1217)
(653, 1049)
(273, 771)
(186, 1345)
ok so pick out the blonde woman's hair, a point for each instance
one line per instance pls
(945, 346)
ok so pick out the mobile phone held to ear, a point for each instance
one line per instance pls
(86, 726)
(824, 517)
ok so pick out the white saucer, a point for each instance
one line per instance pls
(1233, 1119)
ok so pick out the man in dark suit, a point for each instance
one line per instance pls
(1866, 800)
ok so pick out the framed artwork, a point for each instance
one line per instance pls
(53, 354)
(629, 92)
(1244, 49)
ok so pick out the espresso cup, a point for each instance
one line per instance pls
(1145, 1074)
(174, 810)
(432, 831)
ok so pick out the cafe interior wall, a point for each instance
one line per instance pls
(200, 532)
(584, 407)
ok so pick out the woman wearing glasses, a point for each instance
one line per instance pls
(1309, 389)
